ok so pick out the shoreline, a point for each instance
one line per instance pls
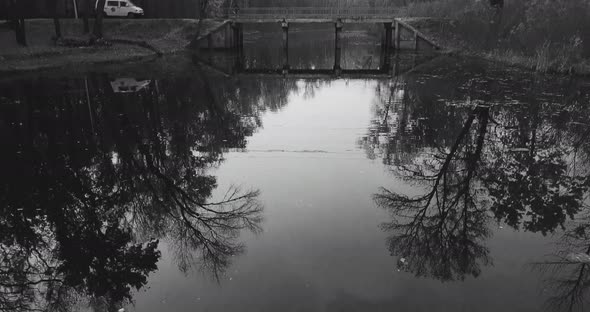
(146, 39)
(51, 63)
(130, 41)
(437, 30)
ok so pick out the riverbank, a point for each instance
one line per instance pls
(445, 33)
(544, 37)
(130, 40)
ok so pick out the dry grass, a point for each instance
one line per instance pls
(548, 36)
(441, 8)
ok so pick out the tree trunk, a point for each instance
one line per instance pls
(56, 23)
(86, 28)
(15, 25)
(202, 15)
(86, 11)
(18, 22)
(98, 19)
(57, 27)
(13, 18)
(22, 35)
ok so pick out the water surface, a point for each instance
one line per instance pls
(456, 186)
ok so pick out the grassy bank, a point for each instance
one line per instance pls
(546, 36)
(163, 36)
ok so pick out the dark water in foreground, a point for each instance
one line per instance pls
(459, 186)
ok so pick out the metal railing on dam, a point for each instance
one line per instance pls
(366, 14)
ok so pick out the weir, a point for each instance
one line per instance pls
(230, 35)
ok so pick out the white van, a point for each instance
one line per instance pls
(121, 8)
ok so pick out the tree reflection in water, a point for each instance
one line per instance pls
(92, 179)
(479, 158)
(441, 233)
(567, 273)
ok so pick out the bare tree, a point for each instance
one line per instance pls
(56, 24)
(18, 21)
(99, 15)
(87, 10)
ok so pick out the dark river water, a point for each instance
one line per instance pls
(181, 184)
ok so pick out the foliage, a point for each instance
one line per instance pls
(441, 8)
(88, 190)
(568, 281)
(477, 159)
(554, 35)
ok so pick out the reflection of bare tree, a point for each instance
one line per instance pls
(21, 270)
(407, 121)
(528, 168)
(439, 233)
(178, 189)
(213, 234)
(84, 203)
(567, 272)
(59, 273)
(390, 129)
(194, 226)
